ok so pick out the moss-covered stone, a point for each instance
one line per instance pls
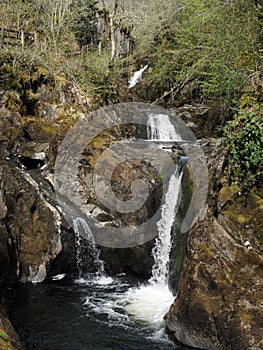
(38, 129)
(244, 219)
(4, 341)
(220, 291)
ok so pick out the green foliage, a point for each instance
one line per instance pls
(3, 335)
(84, 23)
(196, 49)
(243, 143)
(98, 72)
(210, 44)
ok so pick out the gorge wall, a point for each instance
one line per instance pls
(219, 301)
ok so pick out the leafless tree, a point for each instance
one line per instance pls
(53, 14)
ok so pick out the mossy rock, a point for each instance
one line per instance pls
(244, 216)
(227, 193)
(38, 129)
(13, 101)
(5, 343)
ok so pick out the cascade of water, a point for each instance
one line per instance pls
(78, 245)
(159, 127)
(82, 229)
(87, 252)
(136, 77)
(161, 250)
(150, 302)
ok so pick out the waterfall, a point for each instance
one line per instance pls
(136, 77)
(86, 248)
(160, 128)
(117, 302)
(87, 252)
(80, 261)
(150, 302)
(161, 250)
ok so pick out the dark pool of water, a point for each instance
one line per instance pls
(65, 315)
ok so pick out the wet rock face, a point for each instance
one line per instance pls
(219, 305)
(33, 122)
(205, 120)
(114, 179)
(136, 261)
(33, 227)
(34, 116)
(4, 262)
(9, 339)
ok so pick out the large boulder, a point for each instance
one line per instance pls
(219, 302)
(32, 226)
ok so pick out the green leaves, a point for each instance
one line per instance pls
(84, 22)
(3, 335)
(212, 42)
(243, 143)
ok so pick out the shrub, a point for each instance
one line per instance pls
(243, 143)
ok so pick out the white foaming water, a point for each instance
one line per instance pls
(147, 304)
(159, 127)
(161, 250)
(100, 280)
(136, 77)
(151, 302)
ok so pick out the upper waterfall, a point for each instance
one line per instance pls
(159, 127)
(136, 77)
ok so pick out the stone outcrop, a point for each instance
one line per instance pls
(33, 226)
(34, 114)
(9, 340)
(205, 120)
(219, 301)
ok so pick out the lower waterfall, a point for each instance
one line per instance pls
(150, 302)
(80, 225)
(126, 306)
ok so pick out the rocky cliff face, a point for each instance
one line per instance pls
(219, 302)
(34, 113)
